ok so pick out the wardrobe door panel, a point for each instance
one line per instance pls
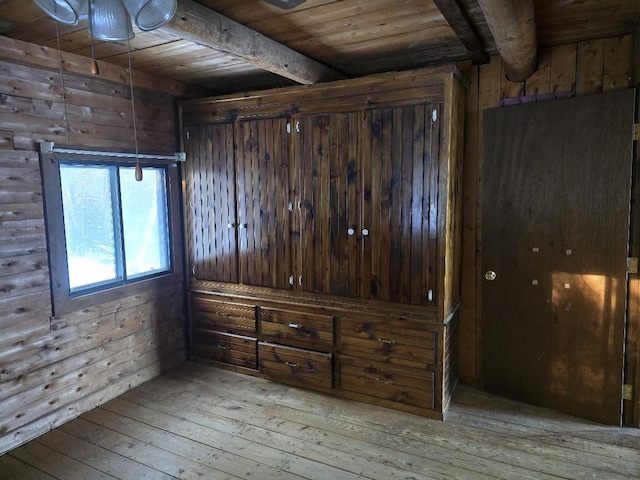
(263, 198)
(210, 192)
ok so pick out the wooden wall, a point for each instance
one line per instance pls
(54, 369)
(583, 68)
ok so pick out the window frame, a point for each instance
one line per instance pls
(63, 301)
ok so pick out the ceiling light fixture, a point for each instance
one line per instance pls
(110, 20)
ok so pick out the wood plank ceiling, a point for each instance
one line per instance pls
(352, 37)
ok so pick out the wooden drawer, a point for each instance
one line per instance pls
(225, 347)
(295, 365)
(222, 316)
(386, 381)
(305, 330)
(397, 341)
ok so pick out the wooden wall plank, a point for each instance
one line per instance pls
(467, 325)
(538, 83)
(20, 52)
(617, 58)
(563, 68)
(590, 67)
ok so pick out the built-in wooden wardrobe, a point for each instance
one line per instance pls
(323, 235)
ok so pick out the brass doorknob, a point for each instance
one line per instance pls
(490, 275)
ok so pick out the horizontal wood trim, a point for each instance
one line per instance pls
(412, 87)
(315, 303)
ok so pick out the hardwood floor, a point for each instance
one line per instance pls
(202, 422)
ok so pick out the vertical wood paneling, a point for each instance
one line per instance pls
(385, 206)
(431, 186)
(467, 337)
(262, 200)
(54, 368)
(405, 207)
(282, 262)
(373, 239)
(395, 195)
(307, 181)
(338, 198)
(417, 196)
(353, 194)
(618, 53)
(584, 67)
(365, 141)
(212, 203)
(539, 81)
(563, 68)
(589, 67)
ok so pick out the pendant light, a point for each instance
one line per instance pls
(110, 20)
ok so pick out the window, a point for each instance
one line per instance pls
(109, 235)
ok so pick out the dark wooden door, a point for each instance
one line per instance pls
(263, 202)
(555, 223)
(211, 203)
(399, 150)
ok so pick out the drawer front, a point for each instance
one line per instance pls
(295, 365)
(395, 341)
(222, 316)
(304, 330)
(225, 347)
(386, 381)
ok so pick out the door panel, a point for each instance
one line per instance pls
(555, 210)
(211, 199)
(263, 198)
(399, 177)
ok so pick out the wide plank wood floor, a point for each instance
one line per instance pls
(202, 422)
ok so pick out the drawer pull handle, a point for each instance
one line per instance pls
(222, 347)
(387, 382)
(292, 365)
(388, 342)
(294, 325)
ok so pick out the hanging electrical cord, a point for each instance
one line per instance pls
(64, 91)
(94, 64)
(133, 112)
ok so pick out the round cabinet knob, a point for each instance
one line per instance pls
(490, 275)
(365, 232)
(351, 231)
(230, 225)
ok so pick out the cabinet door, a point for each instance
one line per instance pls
(398, 153)
(210, 202)
(368, 186)
(263, 202)
(324, 179)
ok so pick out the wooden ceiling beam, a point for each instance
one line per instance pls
(513, 26)
(204, 26)
(464, 29)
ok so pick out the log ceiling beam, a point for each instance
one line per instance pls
(464, 29)
(204, 26)
(513, 26)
